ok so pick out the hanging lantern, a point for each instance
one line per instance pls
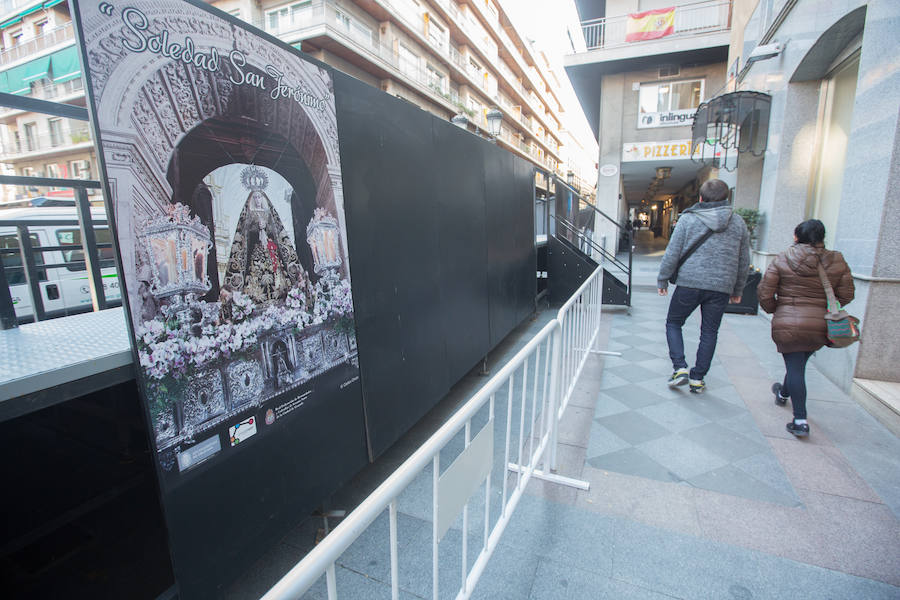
(324, 239)
(178, 246)
(728, 125)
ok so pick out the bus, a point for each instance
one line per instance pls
(61, 273)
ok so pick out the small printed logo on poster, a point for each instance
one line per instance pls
(199, 453)
(270, 416)
(242, 431)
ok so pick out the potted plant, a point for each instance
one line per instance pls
(749, 303)
(751, 217)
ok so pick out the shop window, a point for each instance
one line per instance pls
(838, 95)
(671, 95)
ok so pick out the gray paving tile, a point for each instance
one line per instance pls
(563, 534)
(631, 339)
(632, 372)
(673, 417)
(724, 443)
(610, 380)
(632, 396)
(631, 461)
(607, 405)
(735, 482)
(603, 441)
(556, 581)
(683, 457)
(766, 468)
(633, 427)
(708, 406)
(635, 355)
(686, 567)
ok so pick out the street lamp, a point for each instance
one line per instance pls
(460, 121)
(570, 178)
(494, 118)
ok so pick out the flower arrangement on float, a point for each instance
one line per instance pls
(191, 335)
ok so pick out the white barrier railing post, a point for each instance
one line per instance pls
(555, 384)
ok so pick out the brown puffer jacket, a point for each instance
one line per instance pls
(791, 288)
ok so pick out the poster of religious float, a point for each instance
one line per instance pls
(221, 155)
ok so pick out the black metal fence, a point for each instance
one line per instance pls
(26, 262)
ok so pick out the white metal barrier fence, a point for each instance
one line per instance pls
(548, 367)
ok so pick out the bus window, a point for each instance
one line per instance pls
(12, 263)
(75, 257)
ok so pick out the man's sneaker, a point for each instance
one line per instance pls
(779, 399)
(679, 377)
(798, 430)
(697, 386)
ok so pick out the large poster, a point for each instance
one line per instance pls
(221, 154)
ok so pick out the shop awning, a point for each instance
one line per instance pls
(65, 65)
(36, 69)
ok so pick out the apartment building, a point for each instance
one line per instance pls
(646, 68)
(39, 59)
(445, 56)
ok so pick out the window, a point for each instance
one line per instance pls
(287, 16)
(342, 20)
(31, 141)
(436, 35)
(435, 79)
(80, 169)
(56, 132)
(15, 38)
(409, 61)
(75, 257)
(40, 27)
(52, 170)
(11, 261)
(668, 96)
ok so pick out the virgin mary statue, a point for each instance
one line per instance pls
(263, 262)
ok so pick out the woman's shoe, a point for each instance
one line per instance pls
(779, 399)
(798, 430)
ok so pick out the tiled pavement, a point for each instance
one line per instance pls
(692, 496)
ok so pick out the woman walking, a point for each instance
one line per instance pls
(792, 289)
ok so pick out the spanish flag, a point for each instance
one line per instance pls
(650, 24)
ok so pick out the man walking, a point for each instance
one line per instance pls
(709, 254)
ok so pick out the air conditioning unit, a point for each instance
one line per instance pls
(669, 71)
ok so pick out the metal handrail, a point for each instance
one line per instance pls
(581, 315)
(594, 245)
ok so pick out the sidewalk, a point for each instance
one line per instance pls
(692, 496)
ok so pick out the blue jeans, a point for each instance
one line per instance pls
(712, 306)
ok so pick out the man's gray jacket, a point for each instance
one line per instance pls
(721, 263)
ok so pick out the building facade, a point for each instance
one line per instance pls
(449, 58)
(639, 90)
(833, 154)
(444, 56)
(39, 59)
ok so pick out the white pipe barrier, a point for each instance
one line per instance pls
(549, 364)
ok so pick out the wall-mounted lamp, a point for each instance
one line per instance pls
(765, 52)
(460, 121)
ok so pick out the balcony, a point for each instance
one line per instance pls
(45, 143)
(34, 46)
(708, 16)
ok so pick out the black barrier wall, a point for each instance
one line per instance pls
(440, 226)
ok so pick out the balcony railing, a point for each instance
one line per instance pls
(33, 46)
(43, 142)
(707, 16)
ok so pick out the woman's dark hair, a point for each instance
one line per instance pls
(810, 232)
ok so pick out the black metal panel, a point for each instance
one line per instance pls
(500, 203)
(568, 269)
(458, 191)
(256, 501)
(522, 216)
(388, 163)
